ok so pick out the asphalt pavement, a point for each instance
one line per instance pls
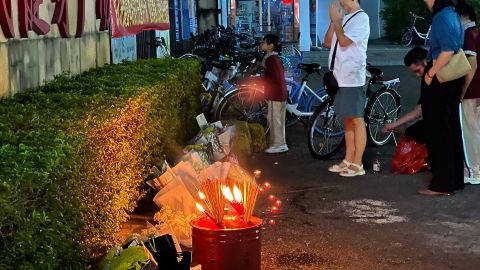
(375, 221)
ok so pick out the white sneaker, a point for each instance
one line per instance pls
(276, 149)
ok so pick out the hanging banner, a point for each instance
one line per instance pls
(130, 17)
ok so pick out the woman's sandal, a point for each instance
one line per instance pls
(337, 168)
(351, 173)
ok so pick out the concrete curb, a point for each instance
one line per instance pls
(389, 55)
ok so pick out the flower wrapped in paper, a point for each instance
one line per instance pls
(200, 155)
(210, 133)
(161, 181)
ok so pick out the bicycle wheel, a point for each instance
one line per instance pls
(407, 38)
(188, 56)
(383, 109)
(326, 135)
(243, 105)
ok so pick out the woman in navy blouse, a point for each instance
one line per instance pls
(440, 102)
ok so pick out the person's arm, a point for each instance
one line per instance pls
(469, 77)
(447, 43)
(409, 117)
(327, 40)
(343, 40)
(442, 60)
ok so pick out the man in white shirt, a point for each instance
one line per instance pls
(347, 38)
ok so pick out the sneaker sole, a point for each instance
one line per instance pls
(277, 152)
(353, 175)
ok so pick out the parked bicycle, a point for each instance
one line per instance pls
(303, 100)
(246, 101)
(221, 80)
(412, 32)
(326, 135)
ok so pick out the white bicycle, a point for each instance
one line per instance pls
(412, 31)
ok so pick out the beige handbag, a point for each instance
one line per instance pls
(457, 67)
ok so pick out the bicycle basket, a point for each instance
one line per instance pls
(295, 60)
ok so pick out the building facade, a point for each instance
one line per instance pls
(40, 40)
(305, 21)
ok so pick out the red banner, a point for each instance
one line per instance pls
(130, 17)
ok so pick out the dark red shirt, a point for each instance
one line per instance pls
(472, 43)
(275, 85)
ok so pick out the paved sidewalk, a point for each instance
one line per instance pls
(380, 53)
(371, 222)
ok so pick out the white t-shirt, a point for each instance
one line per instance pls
(351, 61)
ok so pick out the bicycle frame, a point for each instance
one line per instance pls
(426, 36)
(293, 108)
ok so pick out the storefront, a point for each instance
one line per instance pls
(288, 18)
(261, 16)
(183, 23)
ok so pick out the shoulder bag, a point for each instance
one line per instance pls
(457, 67)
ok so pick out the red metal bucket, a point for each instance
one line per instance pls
(227, 249)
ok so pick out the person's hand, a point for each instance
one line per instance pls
(335, 14)
(428, 79)
(389, 127)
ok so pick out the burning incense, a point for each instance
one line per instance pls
(250, 193)
(201, 209)
(234, 200)
(211, 194)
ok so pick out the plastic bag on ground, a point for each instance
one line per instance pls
(410, 157)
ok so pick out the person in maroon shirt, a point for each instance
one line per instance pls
(275, 93)
(471, 93)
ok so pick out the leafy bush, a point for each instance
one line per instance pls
(74, 153)
(476, 4)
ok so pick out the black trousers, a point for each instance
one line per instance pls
(441, 119)
(416, 132)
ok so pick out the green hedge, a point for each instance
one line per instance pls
(397, 17)
(74, 154)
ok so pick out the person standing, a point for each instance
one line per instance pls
(471, 93)
(275, 93)
(440, 102)
(347, 38)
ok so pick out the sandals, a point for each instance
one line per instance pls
(338, 169)
(351, 173)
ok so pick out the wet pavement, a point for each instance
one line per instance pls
(370, 222)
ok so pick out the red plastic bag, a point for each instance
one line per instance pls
(410, 157)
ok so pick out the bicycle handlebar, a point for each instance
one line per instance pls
(416, 16)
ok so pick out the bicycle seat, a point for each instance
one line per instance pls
(309, 68)
(223, 64)
(388, 80)
(375, 72)
(247, 45)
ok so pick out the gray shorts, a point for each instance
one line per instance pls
(350, 102)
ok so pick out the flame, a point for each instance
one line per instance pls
(227, 193)
(237, 193)
(201, 195)
(200, 207)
